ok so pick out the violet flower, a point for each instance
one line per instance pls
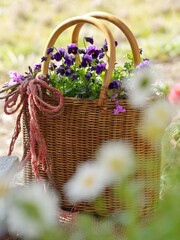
(52, 66)
(49, 50)
(118, 109)
(114, 85)
(72, 48)
(86, 60)
(89, 39)
(68, 72)
(57, 56)
(101, 54)
(88, 75)
(100, 67)
(37, 67)
(15, 78)
(93, 51)
(61, 51)
(43, 59)
(69, 60)
(105, 45)
(60, 70)
(144, 63)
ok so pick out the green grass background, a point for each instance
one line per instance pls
(26, 25)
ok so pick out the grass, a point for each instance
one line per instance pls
(27, 25)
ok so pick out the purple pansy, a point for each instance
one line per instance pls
(93, 51)
(86, 60)
(68, 72)
(100, 67)
(15, 78)
(144, 63)
(118, 109)
(114, 85)
(88, 75)
(101, 54)
(43, 59)
(60, 70)
(69, 60)
(72, 48)
(61, 51)
(57, 56)
(89, 39)
(37, 67)
(49, 50)
(105, 45)
(52, 66)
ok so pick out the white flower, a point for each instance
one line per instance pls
(156, 118)
(87, 183)
(4, 186)
(31, 210)
(117, 160)
(4, 191)
(139, 87)
(2, 215)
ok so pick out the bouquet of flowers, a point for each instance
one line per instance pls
(79, 72)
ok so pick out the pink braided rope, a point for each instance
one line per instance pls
(28, 94)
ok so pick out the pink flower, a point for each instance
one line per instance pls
(174, 95)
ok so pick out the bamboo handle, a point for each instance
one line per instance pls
(77, 21)
(127, 32)
(121, 25)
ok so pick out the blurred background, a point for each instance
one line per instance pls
(27, 24)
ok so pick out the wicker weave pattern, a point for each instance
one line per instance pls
(75, 135)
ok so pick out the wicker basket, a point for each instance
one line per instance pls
(75, 135)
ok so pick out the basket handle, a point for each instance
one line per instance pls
(121, 25)
(80, 21)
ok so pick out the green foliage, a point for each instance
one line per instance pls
(83, 88)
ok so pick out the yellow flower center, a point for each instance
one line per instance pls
(116, 165)
(89, 181)
(3, 190)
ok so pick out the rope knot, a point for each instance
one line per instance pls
(27, 97)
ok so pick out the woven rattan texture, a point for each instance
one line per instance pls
(74, 137)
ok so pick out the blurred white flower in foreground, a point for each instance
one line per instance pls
(4, 190)
(31, 210)
(139, 87)
(5, 182)
(156, 118)
(116, 159)
(3, 193)
(87, 183)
